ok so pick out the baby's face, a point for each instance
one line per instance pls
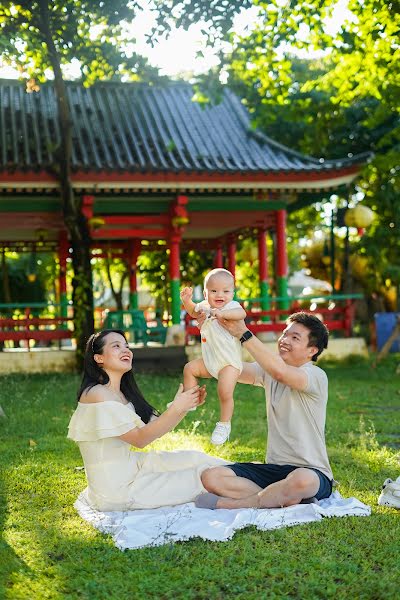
(219, 291)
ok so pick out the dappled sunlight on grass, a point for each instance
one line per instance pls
(233, 451)
(49, 552)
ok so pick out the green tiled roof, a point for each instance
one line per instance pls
(140, 128)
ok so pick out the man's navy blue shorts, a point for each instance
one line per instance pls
(264, 475)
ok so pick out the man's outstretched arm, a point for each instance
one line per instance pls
(271, 362)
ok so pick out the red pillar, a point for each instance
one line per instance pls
(281, 259)
(63, 251)
(87, 206)
(174, 273)
(263, 269)
(218, 258)
(232, 255)
(179, 218)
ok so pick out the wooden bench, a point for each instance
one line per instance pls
(40, 329)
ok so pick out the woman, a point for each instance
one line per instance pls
(112, 416)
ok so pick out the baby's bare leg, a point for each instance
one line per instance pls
(192, 371)
(227, 379)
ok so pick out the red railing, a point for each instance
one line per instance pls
(28, 326)
(337, 316)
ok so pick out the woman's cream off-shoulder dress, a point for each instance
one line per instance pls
(120, 478)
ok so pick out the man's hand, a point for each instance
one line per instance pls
(201, 317)
(235, 328)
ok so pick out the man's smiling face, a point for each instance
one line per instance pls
(294, 347)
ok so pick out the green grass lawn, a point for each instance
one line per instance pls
(47, 551)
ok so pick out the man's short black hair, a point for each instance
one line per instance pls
(319, 333)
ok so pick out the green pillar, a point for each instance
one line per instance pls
(63, 250)
(174, 260)
(133, 251)
(264, 295)
(281, 260)
(175, 301)
(282, 289)
(134, 300)
(64, 305)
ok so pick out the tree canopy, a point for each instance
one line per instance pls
(342, 101)
(90, 33)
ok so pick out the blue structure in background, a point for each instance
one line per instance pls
(385, 323)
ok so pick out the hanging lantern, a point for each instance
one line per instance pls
(360, 216)
(96, 222)
(179, 221)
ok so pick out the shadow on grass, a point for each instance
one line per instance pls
(10, 563)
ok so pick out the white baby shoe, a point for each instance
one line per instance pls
(221, 433)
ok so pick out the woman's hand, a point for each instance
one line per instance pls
(189, 400)
(203, 395)
(140, 437)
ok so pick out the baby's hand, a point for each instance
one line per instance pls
(186, 293)
(216, 312)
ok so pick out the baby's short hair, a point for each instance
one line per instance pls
(215, 273)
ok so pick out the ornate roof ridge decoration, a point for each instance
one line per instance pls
(136, 130)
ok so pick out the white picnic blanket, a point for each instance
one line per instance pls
(140, 528)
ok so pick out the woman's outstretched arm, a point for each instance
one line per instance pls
(182, 403)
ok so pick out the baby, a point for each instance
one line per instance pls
(221, 352)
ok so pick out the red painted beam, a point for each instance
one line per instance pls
(31, 220)
(158, 234)
(236, 218)
(118, 177)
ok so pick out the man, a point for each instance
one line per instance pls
(297, 467)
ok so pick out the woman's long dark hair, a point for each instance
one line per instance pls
(93, 374)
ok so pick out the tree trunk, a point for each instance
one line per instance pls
(5, 279)
(117, 294)
(75, 221)
(6, 289)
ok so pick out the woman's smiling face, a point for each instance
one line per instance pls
(116, 354)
